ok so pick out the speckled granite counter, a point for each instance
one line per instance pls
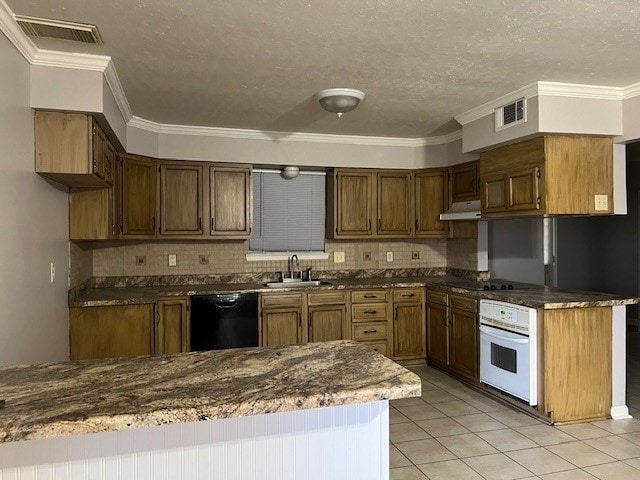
(534, 296)
(74, 398)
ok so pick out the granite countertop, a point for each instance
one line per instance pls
(535, 296)
(73, 398)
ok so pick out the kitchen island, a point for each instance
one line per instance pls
(301, 412)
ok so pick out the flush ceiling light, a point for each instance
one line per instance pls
(339, 100)
(290, 172)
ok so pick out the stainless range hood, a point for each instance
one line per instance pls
(462, 211)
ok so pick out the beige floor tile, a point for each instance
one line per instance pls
(580, 454)
(467, 445)
(514, 419)
(568, 475)
(583, 431)
(424, 451)
(405, 432)
(447, 382)
(407, 402)
(480, 422)
(397, 459)
(441, 427)
(421, 412)
(437, 396)
(406, 473)
(545, 434)
(465, 393)
(396, 417)
(427, 386)
(507, 440)
(486, 405)
(539, 460)
(497, 467)
(634, 462)
(619, 426)
(456, 408)
(449, 470)
(617, 447)
(614, 471)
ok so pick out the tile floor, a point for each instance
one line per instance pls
(453, 432)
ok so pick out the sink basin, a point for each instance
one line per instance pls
(300, 284)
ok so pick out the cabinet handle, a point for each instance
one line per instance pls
(370, 296)
(407, 295)
(417, 224)
(379, 224)
(370, 331)
(369, 224)
(213, 224)
(200, 223)
(370, 312)
(538, 202)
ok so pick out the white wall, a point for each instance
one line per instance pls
(579, 115)
(33, 214)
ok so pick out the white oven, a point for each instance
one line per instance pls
(508, 349)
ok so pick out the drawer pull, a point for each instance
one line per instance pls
(408, 295)
(370, 331)
(370, 312)
(370, 296)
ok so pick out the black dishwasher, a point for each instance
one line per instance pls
(227, 320)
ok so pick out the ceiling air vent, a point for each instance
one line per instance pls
(511, 114)
(44, 27)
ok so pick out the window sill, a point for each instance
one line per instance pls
(276, 256)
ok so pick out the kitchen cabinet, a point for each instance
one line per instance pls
(371, 319)
(230, 202)
(181, 199)
(172, 332)
(350, 203)
(437, 327)
(464, 336)
(409, 324)
(111, 331)
(431, 195)
(394, 204)
(328, 316)
(94, 214)
(283, 319)
(465, 182)
(72, 149)
(139, 201)
(549, 175)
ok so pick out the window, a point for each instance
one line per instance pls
(288, 215)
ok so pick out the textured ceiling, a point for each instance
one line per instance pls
(257, 63)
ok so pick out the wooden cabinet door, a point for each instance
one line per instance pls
(91, 215)
(326, 323)
(172, 326)
(409, 331)
(394, 203)
(354, 210)
(180, 199)
(463, 351)
(494, 189)
(437, 333)
(114, 331)
(464, 182)
(139, 187)
(524, 191)
(431, 199)
(230, 195)
(281, 327)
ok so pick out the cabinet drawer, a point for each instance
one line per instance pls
(405, 294)
(282, 300)
(365, 312)
(370, 331)
(369, 296)
(380, 347)
(437, 297)
(464, 303)
(327, 298)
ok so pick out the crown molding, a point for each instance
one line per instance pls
(575, 90)
(488, 108)
(631, 91)
(113, 81)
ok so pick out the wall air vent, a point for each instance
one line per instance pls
(44, 27)
(510, 114)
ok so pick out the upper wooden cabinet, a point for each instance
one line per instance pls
(230, 202)
(70, 148)
(394, 203)
(465, 183)
(550, 175)
(431, 199)
(350, 203)
(139, 201)
(180, 199)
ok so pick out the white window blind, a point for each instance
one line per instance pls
(288, 215)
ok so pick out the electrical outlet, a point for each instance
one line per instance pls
(173, 260)
(203, 259)
(366, 256)
(389, 256)
(602, 203)
(415, 255)
(338, 257)
(141, 261)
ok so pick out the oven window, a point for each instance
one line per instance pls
(504, 358)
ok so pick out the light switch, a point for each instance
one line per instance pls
(338, 257)
(602, 202)
(53, 272)
(173, 260)
(389, 256)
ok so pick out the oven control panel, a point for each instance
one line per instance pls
(515, 318)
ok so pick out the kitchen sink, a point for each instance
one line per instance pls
(300, 284)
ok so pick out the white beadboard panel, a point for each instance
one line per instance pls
(342, 443)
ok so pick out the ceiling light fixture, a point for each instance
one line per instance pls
(290, 172)
(339, 100)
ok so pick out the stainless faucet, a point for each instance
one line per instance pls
(293, 266)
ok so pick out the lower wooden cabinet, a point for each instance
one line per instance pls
(113, 331)
(327, 315)
(437, 327)
(409, 324)
(172, 332)
(371, 319)
(282, 319)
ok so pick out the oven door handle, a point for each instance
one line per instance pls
(506, 339)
